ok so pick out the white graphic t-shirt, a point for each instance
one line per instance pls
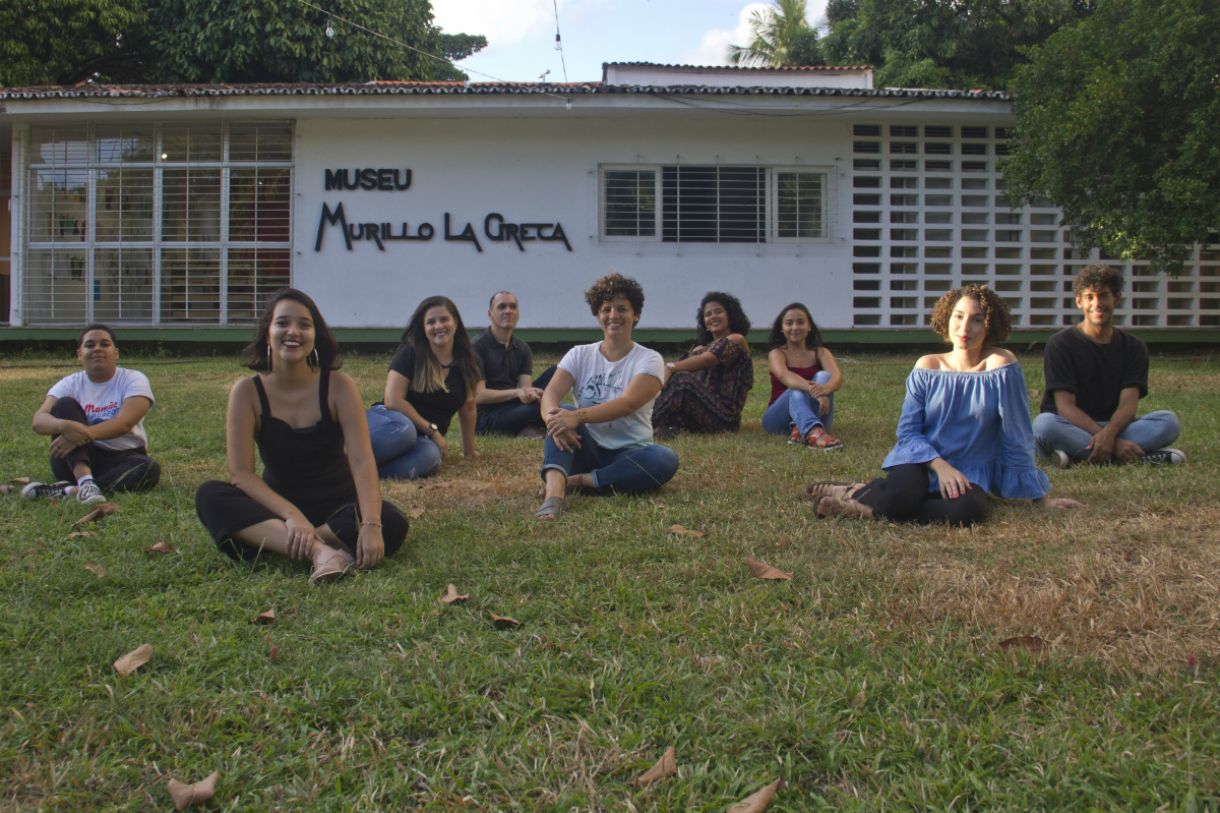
(598, 380)
(102, 401)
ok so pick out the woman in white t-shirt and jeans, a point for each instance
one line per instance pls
(96, 422)
(605, 443)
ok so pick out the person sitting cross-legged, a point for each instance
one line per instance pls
(96, 422)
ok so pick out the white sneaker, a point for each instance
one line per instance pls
(1165, 457)
(48, 491)
(89, 493)
(1059, 459)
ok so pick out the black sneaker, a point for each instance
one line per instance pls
(47, 491)
(1161, 457)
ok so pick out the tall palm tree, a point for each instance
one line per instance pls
(782, 37)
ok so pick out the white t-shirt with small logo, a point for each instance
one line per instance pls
(102, 401)
(598, 380)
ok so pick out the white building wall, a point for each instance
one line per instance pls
(546, 170)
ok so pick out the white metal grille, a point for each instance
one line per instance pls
(157, 223)
(929, 214)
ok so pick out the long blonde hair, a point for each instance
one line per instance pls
(429, 374)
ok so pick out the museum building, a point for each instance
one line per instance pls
(183, 206)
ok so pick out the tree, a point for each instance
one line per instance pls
(943, 43)
(61, 42)
(782, 37)
(173, 41)
(1117, 122)
(287, 41)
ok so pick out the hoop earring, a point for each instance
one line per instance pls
(312, 359)
(268, 356)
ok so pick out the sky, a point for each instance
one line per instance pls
(521, 34)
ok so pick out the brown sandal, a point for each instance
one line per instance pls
(833, 505)
(816, 491)
(332, 568)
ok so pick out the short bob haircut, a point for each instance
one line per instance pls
(738, 321)
(329, 356)
(996, 317)
(95, 326)
(813, 339)
(1097, 276)
(614, 285)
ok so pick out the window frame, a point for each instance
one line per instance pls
(95, 164)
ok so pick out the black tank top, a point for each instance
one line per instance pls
(308, 466)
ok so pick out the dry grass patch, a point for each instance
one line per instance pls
(1142, 593)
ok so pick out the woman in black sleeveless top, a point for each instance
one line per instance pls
(318, 498)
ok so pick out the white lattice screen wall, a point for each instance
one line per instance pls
(929, 214)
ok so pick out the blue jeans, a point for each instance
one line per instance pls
(796, 408)
(1156, 430)
(397, 447)
(510, 417)
(627, 471)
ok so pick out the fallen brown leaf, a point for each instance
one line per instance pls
(274, 652)
(416, 512)
(452, 596)
(265, 617)
(105, 509)
(21, 481)
(762, 570)
(504, 622)
(679, 530)
(76, 534)
(160, 547)
(134, 659)
(1025, 643)
(758, 801)
(96, 569)
(667, 765)
(186, 795)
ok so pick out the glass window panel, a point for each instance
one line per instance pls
(800, 207)
(58, 206)
(190, 205)
(710, 204)
(268, 141)
(123, 284)
(190, 285)
(630, 203)
(54, 286)
(253, 275)
(124, 205)
(124, 144)
(191, 143)
(59, 146)
(259, 205)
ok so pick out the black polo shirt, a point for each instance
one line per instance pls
(503, 365)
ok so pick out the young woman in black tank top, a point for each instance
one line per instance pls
(318, 497)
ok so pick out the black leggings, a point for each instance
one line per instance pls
(224, 509)
(903, 495)
(125, 470)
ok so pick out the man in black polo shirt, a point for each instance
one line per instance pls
(1095, 376)
(508, 401)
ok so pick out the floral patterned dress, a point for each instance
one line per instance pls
(711, 399)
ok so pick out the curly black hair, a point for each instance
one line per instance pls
(738, 321)
(614, 285)
(1096, 276)
(996, 317)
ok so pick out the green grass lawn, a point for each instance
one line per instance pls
(873, 680)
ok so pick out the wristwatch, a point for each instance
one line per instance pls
(436, 430)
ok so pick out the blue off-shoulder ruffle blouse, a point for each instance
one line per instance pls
(978, 422)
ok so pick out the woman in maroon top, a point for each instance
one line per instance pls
(804, 378)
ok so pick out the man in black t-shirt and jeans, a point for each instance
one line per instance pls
(508, 401)
(1095, 376)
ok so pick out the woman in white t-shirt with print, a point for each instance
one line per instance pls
(605, 443)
